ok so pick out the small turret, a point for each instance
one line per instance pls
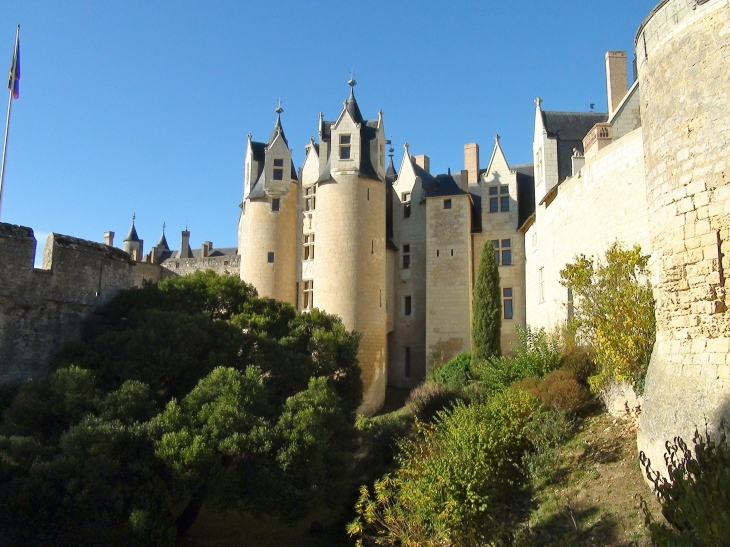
(132, 243)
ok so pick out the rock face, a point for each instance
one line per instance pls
(683, 63)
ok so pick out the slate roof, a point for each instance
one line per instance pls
(132, 235)
(196, 253)
(278, 129)
(162, 243)
(569, 128)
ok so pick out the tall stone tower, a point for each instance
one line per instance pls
(683, 60)
(133, 244)
(349, 265)
(267, 228)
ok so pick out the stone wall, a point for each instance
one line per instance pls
(683, 52)
(605, 202)
(41, 308)
(222, 265)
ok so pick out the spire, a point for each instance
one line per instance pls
(278, 129)
(351, 103)
(132, 235)
(162, 244)
(390, 174)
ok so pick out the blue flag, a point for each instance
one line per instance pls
(14, 76)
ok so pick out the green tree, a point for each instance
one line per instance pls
(486, 323)
(187, 392)
(614, 313)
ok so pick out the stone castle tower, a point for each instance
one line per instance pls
(682, 51)
(267, 227)
(344, 252)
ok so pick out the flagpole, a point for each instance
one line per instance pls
(7, 117)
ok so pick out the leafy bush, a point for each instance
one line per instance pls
(547, 431)
(429, 398)
(458, 480)
(558, 390)
(537, 354)
(579, 361)
(695, 498)
(456, 373)
(614, 313)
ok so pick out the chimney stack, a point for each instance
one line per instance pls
(423, 162)
(471, 162)
(617, 83)
(207, 246)
(109, 238)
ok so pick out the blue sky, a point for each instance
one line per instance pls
(144, 106)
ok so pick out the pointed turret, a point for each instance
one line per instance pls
(278, 129)
(132, 243)
(351, 102)
(390, 174)
(162, 243)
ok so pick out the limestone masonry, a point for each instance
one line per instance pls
(394, 252)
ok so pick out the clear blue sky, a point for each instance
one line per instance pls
(144, 106)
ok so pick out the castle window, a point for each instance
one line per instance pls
(502, 251)
(278, 169)
(407, 305)
(275, 204)
(406, 199)
(541, 285)
(344, 147)
(447, 204)
(308, 247)
(408, 362)
(308, 295)
(406, 257)
(498, 199)
(310, 198)
(507, 303)
(368, 194)
(271, 257)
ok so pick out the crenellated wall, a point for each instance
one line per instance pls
(41, 308)
(683, 61)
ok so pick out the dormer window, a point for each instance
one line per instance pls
(278, 169)
(345, 147)
(498, 199)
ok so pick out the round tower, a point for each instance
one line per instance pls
(132, 243)
(267, 229)
(350, 263)
(682, 55)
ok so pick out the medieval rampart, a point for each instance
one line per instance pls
(683, 52)
(41, 308)
(222, 265)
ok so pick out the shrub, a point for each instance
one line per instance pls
(428, 398)
(458, 482)
(537, 354)
(558, 390)
(456, 373)
(695, 498)
(579, 361)
(614, 313)
(548, 430)
(486, 323)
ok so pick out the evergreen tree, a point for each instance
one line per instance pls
(486, 323)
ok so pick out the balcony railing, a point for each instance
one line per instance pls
(599, 134)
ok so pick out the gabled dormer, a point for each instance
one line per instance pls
(268, 167)
(351, 143)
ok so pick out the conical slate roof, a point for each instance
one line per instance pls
(162, 244)
(278, 128)
(132, 235)
(352, 108)
(391, 174)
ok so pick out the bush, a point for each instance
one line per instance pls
(537, 354)
(547, 431)
(579, 361)
(456, 373)
(614, 313)
(695, 498)
(429, 398)
(459, 482)
(558, 390)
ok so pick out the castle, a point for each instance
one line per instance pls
(394, 252)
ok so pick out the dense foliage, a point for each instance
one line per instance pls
(614, 313)
(456, 372)
(536, 354)
(187, 392)
(695, 494)
(486, 323)
(458, 481)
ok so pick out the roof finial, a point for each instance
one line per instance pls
(311, 140)
(538, 101)
(163, 226)
(389, 142)
(279, 110)
(352, 82)
(406, 145)
(134, 215)
(497, 137)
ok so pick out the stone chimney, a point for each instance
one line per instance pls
(184, 250)
(464, 182)
(207, 246)
(617, 83)
(471, 161)
(109, 238)
(423, 162)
